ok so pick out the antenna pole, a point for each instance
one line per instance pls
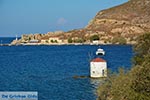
(90, 56)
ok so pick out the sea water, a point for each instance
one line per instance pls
(49, 70)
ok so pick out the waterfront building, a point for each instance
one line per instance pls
(34, 41)
(98, 68)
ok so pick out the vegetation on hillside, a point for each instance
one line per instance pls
(70, 40)
(94, 37)
(119, 40)
(132, 85)
(142, 48)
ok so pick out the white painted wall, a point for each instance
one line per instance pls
(96, 69)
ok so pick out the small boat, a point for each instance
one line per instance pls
(100, 51)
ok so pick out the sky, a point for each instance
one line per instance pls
(19, 17)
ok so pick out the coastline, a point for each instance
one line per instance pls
(57, 44)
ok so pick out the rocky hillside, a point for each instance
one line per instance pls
(128, 20)
(120, 24)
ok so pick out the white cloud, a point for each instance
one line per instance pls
(61, 21)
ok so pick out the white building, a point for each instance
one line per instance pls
(95, 42)
(98, 68)
(34, 41)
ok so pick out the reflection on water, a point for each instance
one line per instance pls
(96, 82)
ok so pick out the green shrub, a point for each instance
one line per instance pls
(54, 41)
(132, 85)
(80, 40)
(141, 81)
(70, 40)
(119, 40)
(94, 37)
(142, 48)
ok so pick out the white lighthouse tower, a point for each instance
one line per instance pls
(16, 38)
(98, 68)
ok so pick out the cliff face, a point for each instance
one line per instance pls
(129, 19)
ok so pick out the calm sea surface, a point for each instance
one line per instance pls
(6, 40)
(49, 70)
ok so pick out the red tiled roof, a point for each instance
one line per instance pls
(98, 60)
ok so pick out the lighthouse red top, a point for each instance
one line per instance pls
(98, 60)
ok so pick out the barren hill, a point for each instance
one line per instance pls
(128, 20)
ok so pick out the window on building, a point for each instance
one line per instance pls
(103, 72)
(93, 72)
